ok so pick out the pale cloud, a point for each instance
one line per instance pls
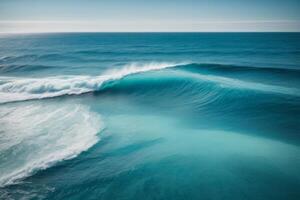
(148, 26)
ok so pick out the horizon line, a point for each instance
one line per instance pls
(54, 32)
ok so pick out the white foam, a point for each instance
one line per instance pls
(18, 89)
(34, 137)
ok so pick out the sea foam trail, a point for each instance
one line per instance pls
(34, 137)
(18, 89)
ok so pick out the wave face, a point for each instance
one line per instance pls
(34, 137)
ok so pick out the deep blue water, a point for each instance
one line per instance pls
(150, 116)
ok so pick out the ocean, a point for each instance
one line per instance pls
(150, 116)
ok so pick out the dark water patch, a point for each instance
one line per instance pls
(187, 177)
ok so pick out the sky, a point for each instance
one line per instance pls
(149, 15)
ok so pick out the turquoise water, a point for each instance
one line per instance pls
(150, 116)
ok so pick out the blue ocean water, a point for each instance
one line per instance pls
(150, 116)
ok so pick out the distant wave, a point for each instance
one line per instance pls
(34, 57)
(97, 52)
(19, 89)
(53, 133)
(23, 68)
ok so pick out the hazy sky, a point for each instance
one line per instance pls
(149, 15)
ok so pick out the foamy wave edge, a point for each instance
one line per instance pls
(63, 143)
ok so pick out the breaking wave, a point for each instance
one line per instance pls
(18, 89)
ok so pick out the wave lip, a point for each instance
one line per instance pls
(35, 137)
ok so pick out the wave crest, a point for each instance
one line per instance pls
(16, 89)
